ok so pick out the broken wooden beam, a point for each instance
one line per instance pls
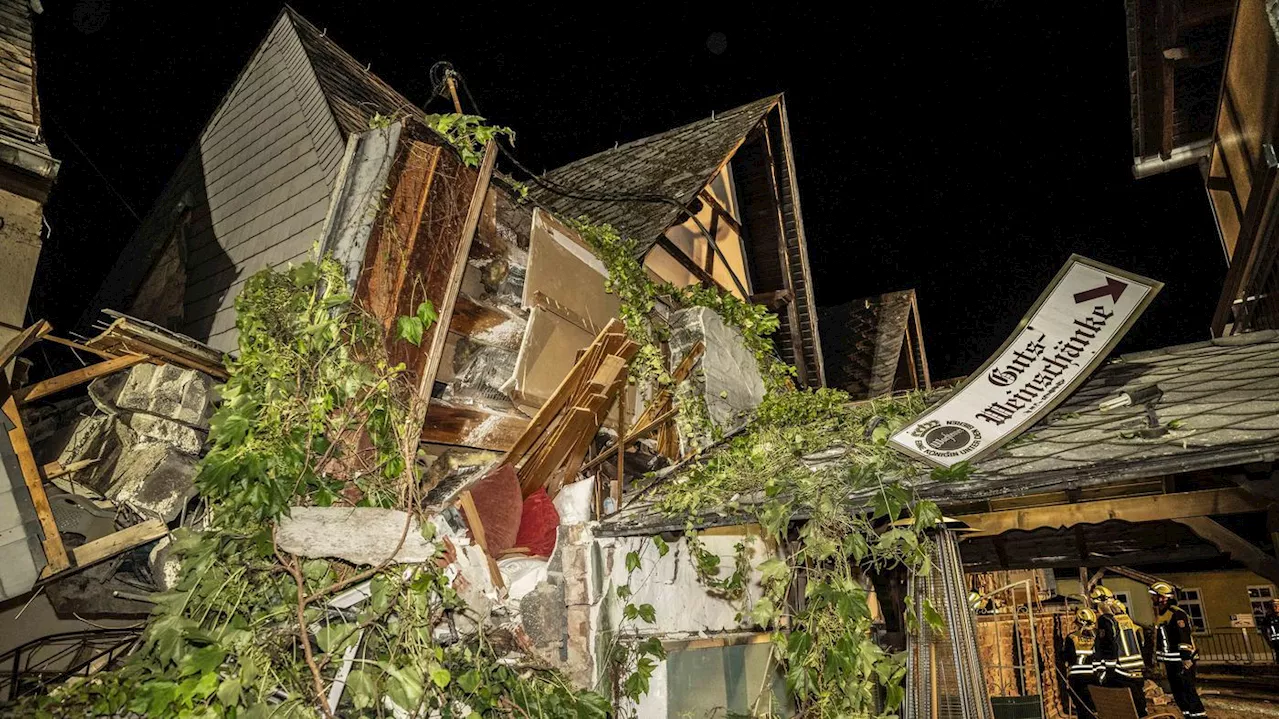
(632, 437)
(20, 342)
(66, 381)
(559, 399)
(54, 551)
(118, 542)
(468, 505)
(1150, 508)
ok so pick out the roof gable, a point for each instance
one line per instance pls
(862, 342)
(354, 94)
(675, 164)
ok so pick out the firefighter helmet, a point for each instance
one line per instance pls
(1101, 594)
(1086, 617)
(1163, 589)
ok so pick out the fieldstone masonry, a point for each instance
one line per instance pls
(147, 428)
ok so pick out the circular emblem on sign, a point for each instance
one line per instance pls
(948, 438)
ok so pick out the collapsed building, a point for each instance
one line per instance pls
(523, 385)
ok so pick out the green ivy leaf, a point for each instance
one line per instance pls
(774, 570)
(662, 545)
(410, 330)
(593, 706)
(647, 613)
(361, 687)
(439, 676)
(633, 561)
(623, 591)
(229, 692)
(764, 612)
(427, 314)
(469, 681)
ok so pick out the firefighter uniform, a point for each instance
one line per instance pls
(1176, 649)
(1077, 653)
(1118, 654)
(1270, 630)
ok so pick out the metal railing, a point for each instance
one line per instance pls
(1233, 646)
(28, 668)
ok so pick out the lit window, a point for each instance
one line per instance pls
(1259, 597)
(1191, 603)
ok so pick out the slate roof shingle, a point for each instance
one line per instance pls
(676, 164)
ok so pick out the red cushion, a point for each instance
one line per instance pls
(538, 523)
(498, 503)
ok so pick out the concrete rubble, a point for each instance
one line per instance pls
(360, 535)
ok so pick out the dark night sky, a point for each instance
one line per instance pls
(965, 152)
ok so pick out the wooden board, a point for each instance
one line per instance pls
(55, 553)
(471, 427)
(53, 385)
(20, 342)
(559, 399)
(118, 542)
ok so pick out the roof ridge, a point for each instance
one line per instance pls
(315, 41)
(1247, 339)
(770, 99)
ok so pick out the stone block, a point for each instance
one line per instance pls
(150, 427)
(182, 395)
(360, 535)
(727, 376)
(155, 479)
(542, 613)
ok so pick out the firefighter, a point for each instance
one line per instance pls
(1117, 652)
(1077, 654)
(1270, 628)
(1176, 649)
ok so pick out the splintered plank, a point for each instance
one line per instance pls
(62, 382)
(55, 553)
(468, 504)
(19, 343)
(560, 398)
(535, 474)
(471, 427)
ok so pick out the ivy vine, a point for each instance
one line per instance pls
(312, 415)
(822, 641)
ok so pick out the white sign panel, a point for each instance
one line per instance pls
(1242, 621)
(1066, 335)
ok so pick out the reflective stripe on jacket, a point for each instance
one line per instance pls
(1174, 642)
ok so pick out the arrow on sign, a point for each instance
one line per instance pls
(1114, 287)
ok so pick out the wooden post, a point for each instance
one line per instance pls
(615, 490)
(55, 554)
(477, 530)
